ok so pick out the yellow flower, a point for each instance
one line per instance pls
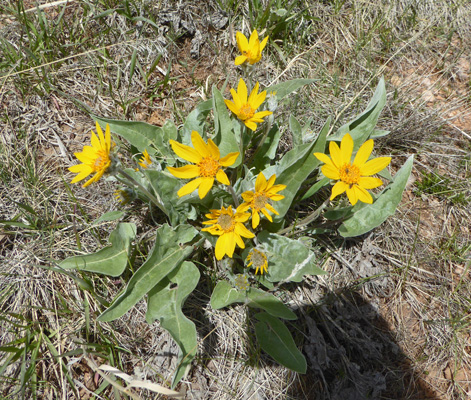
(245, 109)
(241, 282)
(124, 196)
(208, 165)
(145, 161)
(251, 49)
(258, 260)
(353, 177)
(260, 200)
(95, 158)
(229, 226)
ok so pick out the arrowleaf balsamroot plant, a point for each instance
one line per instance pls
(235, 204)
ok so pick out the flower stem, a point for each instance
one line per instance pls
(234, 195)
(149, 195)
(311, 217)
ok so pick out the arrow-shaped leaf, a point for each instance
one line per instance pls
(111, 260)
(275, 339)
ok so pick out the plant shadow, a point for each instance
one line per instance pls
(352, 355)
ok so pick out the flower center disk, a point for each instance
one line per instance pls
(349, 174)
(259, 201)
(208, 167)
(226, 222)
(102, 161)
(246, 112)
(258, 259)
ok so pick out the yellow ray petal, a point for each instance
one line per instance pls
(221, 246)
(362, 195)
(255, 219)
(185, 152)
(363, 153)
(222, 177)
(337, 189)
(242, 42)
(190, 187)
(242, 91)
(374, 166)
(346, 149)
(185, 172)
(335, 154)
(352, 195)
(205, 187)
(367, 182)
(213, 150)
(200, 146)
(229, 159)
(260, 183)
(330, 172)
(239, 60)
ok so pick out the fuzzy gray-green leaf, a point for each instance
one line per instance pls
(276, 340)
(111, 260)
(372, 215)
(165, 304)
(288, 260)
(167, 254)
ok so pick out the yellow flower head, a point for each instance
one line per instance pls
(353, 177)
(241, 282)
(229, 226)
(258, 260)
(251, 49)
(208, 165)
(145, 161)
(260, 200)
(124, 196)
(95, 158)
(245, 108)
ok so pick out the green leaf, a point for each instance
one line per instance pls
(285, 88)
(288, 260)
(225, 133)
(224, 294)
(315, 188)
(142, 135)
(109, 216)
(296, 130)
(196, 120)
(166, 255)
(166, 186)
(111, 260)
(377, 133)
(165, 304)
(271, 304)
(363, 125)
(372, 215)
(170, 130)
(267, 151)
(293, 169)
(276, 340)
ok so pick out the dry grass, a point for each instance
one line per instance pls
(390, 321)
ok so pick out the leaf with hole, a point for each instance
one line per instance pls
(165, 304)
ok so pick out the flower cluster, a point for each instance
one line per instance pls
(205, 166)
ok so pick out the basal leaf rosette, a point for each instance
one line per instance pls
(207, 166)
(251, 49)
(352, 177)
(95, 158)
(245, 107)
(261, 199)
(229, 226)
